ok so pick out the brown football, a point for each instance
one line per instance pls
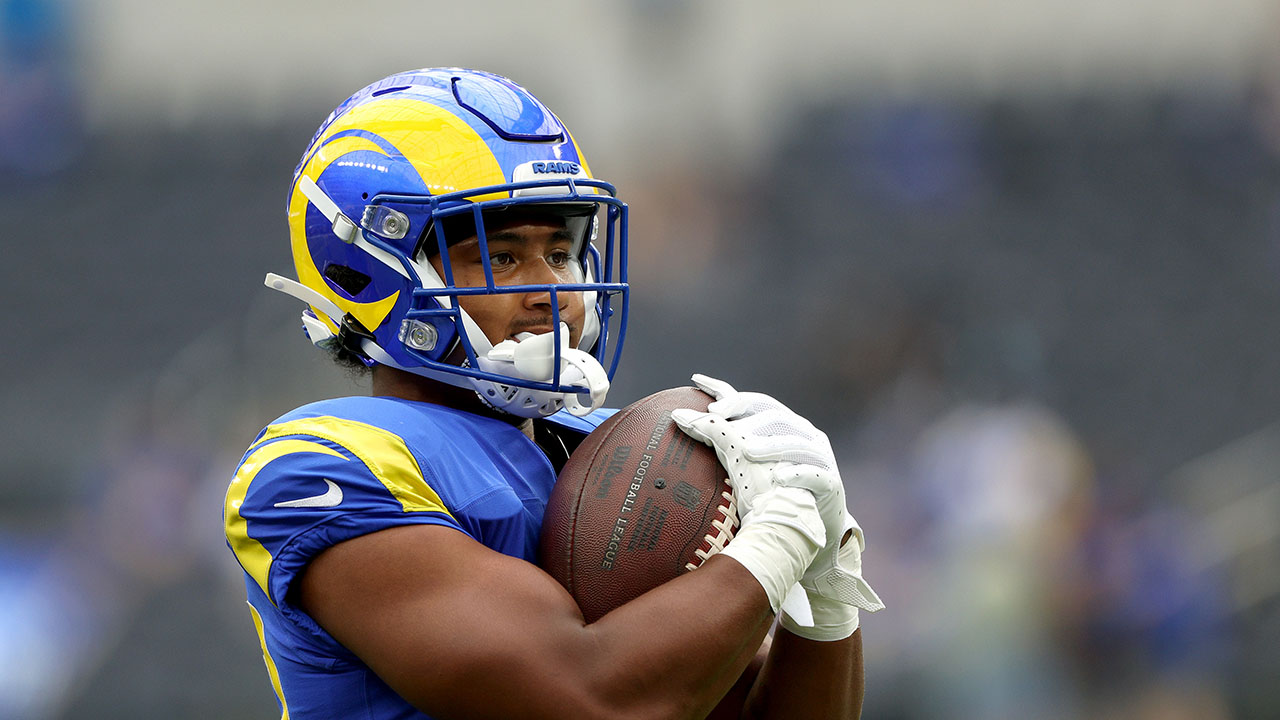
(638, 504)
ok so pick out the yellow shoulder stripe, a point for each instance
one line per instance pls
(253, 557)
(383, 452)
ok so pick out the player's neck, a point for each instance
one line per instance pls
(391, 382)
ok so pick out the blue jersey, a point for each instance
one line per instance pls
(338, 469)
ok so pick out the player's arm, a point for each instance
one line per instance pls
(808, 678)
(817, 667)
(731, 705)
(462, 631)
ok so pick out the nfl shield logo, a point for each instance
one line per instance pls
(687, 495)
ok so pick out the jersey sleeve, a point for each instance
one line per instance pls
(310, 483)
(584, 424)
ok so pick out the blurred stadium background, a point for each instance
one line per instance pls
(1020, 259)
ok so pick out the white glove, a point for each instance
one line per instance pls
(835, 590)
(766, 448)
(778, 540)
(763, 445)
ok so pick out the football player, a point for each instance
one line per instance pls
(448, 234)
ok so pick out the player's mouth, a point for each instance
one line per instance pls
(534, 327)
(525, 331)
(534, 330)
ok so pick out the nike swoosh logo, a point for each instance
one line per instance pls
(329, 498)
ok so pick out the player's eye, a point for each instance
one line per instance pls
(559, 258)
(501, 260)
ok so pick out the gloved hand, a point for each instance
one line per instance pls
(835, 589)
(764, 445)
(780, 479)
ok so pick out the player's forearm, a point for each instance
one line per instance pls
(675, 651)
(670, 654)
(807, 678)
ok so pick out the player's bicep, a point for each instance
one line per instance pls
(448, 623)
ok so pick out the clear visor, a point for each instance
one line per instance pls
(451, 226)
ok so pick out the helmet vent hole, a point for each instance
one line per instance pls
(364, 196)
(350, 281)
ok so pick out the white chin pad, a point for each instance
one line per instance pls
(533, 358)
(532, 355)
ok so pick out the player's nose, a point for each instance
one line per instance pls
(544, 274)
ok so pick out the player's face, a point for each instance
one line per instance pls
(527, 251)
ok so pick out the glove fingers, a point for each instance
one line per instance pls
(747, 404)
(717, 389)
(730, 407)
(697, 425)
(756, 405)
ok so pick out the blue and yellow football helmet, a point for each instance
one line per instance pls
(391, 176)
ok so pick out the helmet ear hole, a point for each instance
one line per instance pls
(348, 280)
